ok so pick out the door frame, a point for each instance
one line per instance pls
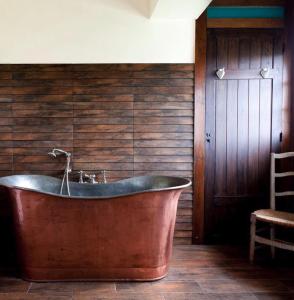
(198, 216)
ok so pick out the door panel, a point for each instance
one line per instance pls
(243, 125)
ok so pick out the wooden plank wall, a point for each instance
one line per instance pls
(290, 62)
(127, 119)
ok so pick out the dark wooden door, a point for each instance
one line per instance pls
(243, 125)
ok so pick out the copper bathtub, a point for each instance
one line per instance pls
(116, 231)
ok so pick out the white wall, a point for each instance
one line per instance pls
(178, 9)
(92, 31)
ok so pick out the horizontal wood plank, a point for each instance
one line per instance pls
(245, 23)
(129, 119)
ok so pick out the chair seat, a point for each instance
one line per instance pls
(276, 217)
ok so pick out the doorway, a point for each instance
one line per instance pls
(243, 125)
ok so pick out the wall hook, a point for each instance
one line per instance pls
(264, 72)
(220, 73)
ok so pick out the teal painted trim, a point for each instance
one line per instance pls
(246, 12)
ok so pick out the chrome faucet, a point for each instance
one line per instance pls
(54, 153)
(91, 178)
(86, 178)
(81, 176)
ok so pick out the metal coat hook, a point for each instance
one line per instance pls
(220, 73)
(264, 72)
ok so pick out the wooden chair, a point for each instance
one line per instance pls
(272, 216)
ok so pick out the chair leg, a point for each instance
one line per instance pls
(272, 234)
(252, 238)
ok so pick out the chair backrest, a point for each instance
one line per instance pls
(274, 175)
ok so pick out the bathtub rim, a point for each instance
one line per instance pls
(178, 187)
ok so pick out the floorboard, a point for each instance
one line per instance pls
(196, 272)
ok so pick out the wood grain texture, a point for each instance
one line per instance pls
(290, 68)
(248, 2)
(199, 128)
(243, 118)
(196, 272)
(287, 78)
(130, 119)
(245, 23)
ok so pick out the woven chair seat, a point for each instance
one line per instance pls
(276, 217)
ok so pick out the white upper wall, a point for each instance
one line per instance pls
(178, 9)
(98, 31)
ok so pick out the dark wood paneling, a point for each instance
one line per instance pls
(243, 118)
(245, 23)
(6, 134)
(131, 120)
(163, 143)
(199, 128)
(248, 2)
(289, 100)
(200, 83)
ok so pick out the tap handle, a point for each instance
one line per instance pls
(91, 178)
(81, 176)
(104, 179)
(87, 175)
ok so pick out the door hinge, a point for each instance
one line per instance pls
(281, 137)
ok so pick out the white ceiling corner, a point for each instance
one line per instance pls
(177, 9)
(152, 6)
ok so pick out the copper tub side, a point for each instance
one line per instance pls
(98, 233)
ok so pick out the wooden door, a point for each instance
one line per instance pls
(243, 125)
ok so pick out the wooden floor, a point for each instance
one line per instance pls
(197, 272)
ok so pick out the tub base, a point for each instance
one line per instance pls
(101, 274)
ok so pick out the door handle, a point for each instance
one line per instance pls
(208, 137)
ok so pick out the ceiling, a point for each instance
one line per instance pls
(160, 9)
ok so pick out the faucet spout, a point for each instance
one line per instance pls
(54, 152)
